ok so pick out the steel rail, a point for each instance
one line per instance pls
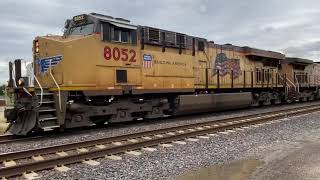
(98, 153)
(7, 138)
(4, 139)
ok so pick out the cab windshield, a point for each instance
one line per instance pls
(86, 29)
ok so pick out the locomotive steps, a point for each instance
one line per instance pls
(59, 157)
(48, 111)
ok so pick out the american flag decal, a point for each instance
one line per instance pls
(226, 66)
(147, 61)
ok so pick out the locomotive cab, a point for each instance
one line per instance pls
(111, 29)
(80, 25)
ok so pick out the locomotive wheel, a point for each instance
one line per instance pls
(311, 98)
(100, 121)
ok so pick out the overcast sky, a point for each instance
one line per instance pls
(288, 26)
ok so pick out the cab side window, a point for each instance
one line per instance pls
(115, 34)
(125, 35)
(112, 33)
(106, 32)
(201, 46)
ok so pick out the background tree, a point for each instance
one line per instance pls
(2, 88)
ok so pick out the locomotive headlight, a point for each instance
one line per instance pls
(21, 82)
(36, 46)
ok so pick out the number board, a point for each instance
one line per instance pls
(80, 18)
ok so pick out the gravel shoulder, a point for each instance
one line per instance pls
(302, 163)
(294, 160)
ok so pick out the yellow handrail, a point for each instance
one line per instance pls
(41, 89)
(55, 84)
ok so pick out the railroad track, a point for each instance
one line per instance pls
(5, 139)
(59, 157)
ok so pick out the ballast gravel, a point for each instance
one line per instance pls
(168, 163)
(134, 127)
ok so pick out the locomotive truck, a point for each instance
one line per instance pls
(107, 70)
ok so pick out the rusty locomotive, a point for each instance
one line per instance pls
(108, 70)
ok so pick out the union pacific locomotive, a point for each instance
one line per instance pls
(106, 70)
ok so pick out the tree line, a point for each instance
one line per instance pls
(2, 88)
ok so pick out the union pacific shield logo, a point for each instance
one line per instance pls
(147, 61)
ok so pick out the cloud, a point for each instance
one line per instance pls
(289, 26)
(308, 50)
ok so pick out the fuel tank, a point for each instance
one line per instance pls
(188, 104)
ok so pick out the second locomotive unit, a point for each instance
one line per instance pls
(107, 70)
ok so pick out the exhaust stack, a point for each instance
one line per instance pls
(17, 70)
(10, 83)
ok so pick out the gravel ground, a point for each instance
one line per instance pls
(267, 143)
(136, 127)
(300, 163)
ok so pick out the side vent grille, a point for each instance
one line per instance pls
(181, 40)
(170, 38)
(154, 35)
(166, 38)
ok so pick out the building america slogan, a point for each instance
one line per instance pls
(162, 62)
